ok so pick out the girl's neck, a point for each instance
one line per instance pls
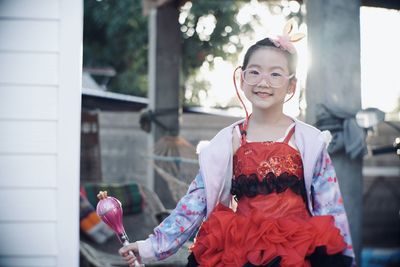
(268, 117)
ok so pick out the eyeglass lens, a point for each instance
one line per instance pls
(253, 77)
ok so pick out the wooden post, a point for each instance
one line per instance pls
(334, 79)
(164, 68)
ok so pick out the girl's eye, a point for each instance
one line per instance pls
(254, 72)
(276, 74)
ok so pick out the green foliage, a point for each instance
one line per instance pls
(226, 32)
(116, 35)
(195, 89)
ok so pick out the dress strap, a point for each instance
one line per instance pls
(243, 133)
(243, 129)
(289, 135)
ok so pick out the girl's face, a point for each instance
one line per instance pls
(262, 95)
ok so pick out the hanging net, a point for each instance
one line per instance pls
(175, 161)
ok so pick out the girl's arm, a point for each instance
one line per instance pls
(327, 199)
(178, 227)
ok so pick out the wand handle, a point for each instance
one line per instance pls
(136, 262)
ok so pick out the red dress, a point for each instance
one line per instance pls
(271, 225)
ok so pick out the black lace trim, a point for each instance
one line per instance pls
(321, 258)
(250, 186)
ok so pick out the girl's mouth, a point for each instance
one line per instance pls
(263, 94)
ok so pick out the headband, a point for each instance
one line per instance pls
(286, 40)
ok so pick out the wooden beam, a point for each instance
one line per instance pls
(334, 80)
(164, 80)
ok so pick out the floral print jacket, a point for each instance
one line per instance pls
(206, 190)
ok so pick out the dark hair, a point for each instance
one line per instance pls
(291, 58)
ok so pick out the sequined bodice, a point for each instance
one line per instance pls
(269, 169)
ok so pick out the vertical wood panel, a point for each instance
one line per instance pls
(23, 261)
(38, 9)
(28, 137)
(28, 171)
(28, 239)
(71, 28)
(29, 35)
(28, 205)
(28, 102)
(29, 68)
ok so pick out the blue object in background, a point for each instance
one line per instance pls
(380, 257)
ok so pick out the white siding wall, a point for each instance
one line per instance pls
(40, 78)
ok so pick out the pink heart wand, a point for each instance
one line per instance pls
(109, 210)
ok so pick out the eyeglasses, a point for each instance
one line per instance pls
(274, 79)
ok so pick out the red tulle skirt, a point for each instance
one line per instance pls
(231, 238)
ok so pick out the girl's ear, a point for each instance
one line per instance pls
(292, 86)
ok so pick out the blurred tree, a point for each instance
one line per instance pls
(116, 35)
(209, 30)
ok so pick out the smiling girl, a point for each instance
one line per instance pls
(266, 193)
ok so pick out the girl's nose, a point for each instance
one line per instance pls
(264, 82)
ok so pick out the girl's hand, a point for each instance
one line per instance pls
(130, 257)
